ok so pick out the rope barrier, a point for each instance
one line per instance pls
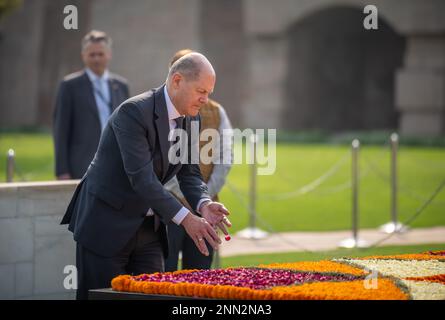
(310, 186)
(263, 223)
(270, 229)
(407, 191)
(413, 217)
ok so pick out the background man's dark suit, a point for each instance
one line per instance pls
(126, 178)
(77, 126)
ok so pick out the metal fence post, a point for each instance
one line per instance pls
(252, 232)
(354, 242)
(10, 165)
(394, 225)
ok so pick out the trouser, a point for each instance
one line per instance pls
(192, 258)
(142, 254)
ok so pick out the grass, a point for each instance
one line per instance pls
(254, 260)
(369, 137)
(34, 156)
(328, 207)
(325, 208)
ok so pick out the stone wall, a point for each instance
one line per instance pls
(145, 36)
(251, 43)
(415, 91)
(34, 247)
(19, 61)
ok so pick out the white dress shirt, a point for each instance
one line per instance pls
(101, 95)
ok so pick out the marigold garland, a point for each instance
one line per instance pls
(400, 277)
(416, 256)
(350, 290)
(317, 266)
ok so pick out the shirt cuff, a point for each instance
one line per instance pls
(180, 215)
(200, 203)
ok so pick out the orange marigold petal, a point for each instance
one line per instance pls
(410, 256)
(317, 266)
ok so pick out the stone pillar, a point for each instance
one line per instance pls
(267, 73)
(420, 87)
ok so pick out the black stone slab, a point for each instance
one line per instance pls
(109, 294)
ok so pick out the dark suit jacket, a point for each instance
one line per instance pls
(126, 178)
(76, 121)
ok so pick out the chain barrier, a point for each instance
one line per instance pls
(347, 185)
(263, 223)
(270, 229)
(340, 187)
(413, 217)
(310, 186)
(403, 189)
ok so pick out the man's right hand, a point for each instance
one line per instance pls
(199, 230)
(65, 176)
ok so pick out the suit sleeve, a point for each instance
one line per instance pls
(192, 184)
(137, 158)
(62, 128)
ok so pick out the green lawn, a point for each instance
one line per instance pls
(254, 260)
(34, 156)
(327, 207)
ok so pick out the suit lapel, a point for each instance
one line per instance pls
(162, 127)
(91, 101)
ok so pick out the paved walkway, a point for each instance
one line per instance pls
(322, 241)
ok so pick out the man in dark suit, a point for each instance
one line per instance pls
(120, 209)
(213, 116)
(84, 102)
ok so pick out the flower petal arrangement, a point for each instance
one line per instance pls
(396, 277)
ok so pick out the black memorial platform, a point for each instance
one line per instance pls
(109, 294)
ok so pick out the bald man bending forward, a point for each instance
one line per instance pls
(119, 211)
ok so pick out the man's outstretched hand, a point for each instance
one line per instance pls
(200, 230)
(216, 214)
